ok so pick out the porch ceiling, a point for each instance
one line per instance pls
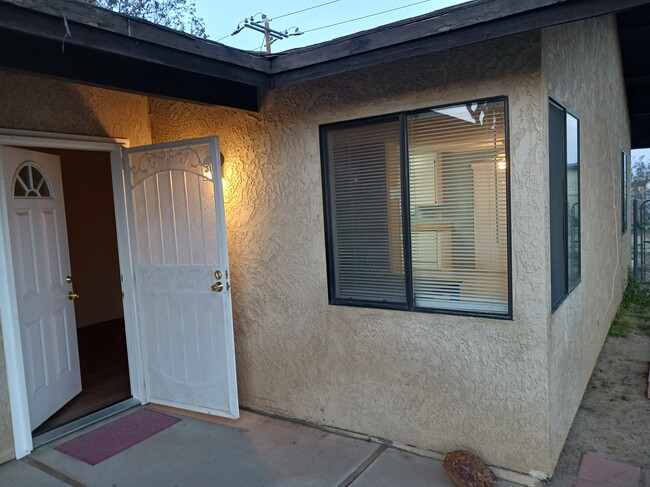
(634, 35)
(115, 51)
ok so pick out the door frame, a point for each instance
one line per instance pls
(9, 322)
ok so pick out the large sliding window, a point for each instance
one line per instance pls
(564, 176)
(417, 210)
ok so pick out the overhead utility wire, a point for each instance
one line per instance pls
(287, 15)
(365, 16)
(305, 9)
(270, 35)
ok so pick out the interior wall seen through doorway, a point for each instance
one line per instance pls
(92, 236)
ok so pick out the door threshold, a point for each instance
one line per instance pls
(84, 421)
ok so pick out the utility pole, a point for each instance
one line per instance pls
(267, 34)
(270, 35)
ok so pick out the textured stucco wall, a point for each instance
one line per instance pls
(40, 104)
(582, 70)
(434, 381)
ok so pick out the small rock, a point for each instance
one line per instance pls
(468, 470)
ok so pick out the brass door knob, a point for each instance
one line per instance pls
(72, 295)
(217, 287)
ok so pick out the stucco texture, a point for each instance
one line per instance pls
(434, 381)
(582, 70)
(40, 104)
(506, 389)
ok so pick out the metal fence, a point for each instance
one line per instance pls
(641, 237)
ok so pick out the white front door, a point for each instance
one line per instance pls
(182, 276)
(39, 242)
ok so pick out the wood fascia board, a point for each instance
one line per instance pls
(129, 76)
(27, 21)
(461, 25)
(87, 14)
(558, 12)
(445, 21)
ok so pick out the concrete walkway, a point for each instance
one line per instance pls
(596, 471)
(253, 451)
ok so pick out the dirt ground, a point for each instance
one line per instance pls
(613, 420)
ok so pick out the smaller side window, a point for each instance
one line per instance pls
(624, 182)
(564, 177)
(573, 200)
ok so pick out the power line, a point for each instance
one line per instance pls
(246, 20)
(286, 15)
(270, 35)
(365, 16)
(305, 9)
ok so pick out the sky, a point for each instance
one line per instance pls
(636, 153)
(222, 18)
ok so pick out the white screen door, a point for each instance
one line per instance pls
(39, 244)
(182, 277)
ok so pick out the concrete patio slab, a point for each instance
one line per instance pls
(21, 474)
(395, 468)
(253, 451)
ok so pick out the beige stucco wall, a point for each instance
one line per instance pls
(40, 104)
(437, 382)
(434, 381)
(582, 70)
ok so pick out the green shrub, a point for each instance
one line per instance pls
(634, 304)
(621, 326)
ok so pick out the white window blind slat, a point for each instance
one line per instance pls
(457, 187)
(457, 169)
(364, 174)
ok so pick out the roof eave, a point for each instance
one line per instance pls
(139, 61)
(464, 25)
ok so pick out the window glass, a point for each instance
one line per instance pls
(557, 197)
(30, 182)
(624, 182)
(573, 201)
(450, 251)
(365, 207)
(457, 188)
(564, 202)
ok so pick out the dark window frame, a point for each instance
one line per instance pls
(568, 285)
(624, 193)
(406, 217)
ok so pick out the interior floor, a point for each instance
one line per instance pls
(104, 373)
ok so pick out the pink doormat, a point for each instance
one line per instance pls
(115, 437)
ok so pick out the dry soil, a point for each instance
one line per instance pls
(613, 420)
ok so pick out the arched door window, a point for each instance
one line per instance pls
(30, 182)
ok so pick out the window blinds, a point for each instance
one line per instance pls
(366, 213)
(457, 204)
(459, 216)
